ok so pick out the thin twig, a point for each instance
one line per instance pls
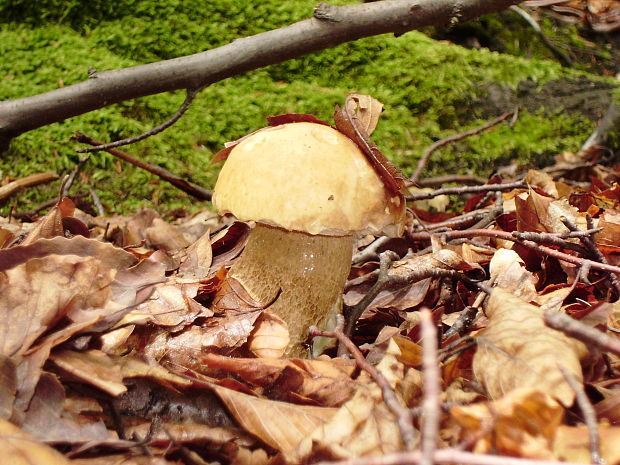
(454, 138)
(189, 98)
(584, 333)
(403, 415)
(78, 167)
(589, 243)
(353, 313)
(458, 178)
(370, 251)
(466, 190)
(97, 203)
(430, 403)
(424, 236)
(186, 186)
(589, 415)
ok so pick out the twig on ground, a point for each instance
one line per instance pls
(458, 178)
(370, 251)
(461, 220)
(584, 333)
(454, 138)
(589, 244)
(589, 415)
(467, 316)
(189, 98)
(466, 190)
(449, 235)
(186, 186)
(430, 403)
(353, 313)
(403, 414)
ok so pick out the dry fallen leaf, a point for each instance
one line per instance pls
(517, 350)
(522, 423)
(21, 448)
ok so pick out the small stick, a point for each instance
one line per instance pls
(403, 415)
(189, 98)
(370, 252)
(417, 236)
(456, 137)
(78, 167)
(430, 403)
(459, 178)
(589, 243)
(466, 190)
(589, 415)
(189, 187)
(584, 333)
(98, 205)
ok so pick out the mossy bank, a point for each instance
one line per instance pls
(430, 90)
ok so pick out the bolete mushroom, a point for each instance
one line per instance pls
(309, 189)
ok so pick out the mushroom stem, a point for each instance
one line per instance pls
(308, 271)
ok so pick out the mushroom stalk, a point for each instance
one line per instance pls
(304, 273)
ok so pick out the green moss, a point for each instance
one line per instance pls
(430, 90)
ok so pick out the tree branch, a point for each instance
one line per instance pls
(333, 25)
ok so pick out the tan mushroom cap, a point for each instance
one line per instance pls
(306, 177)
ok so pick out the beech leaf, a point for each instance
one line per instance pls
(517, 350)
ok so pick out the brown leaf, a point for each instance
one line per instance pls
(572, 444)
(517, 350)
(270, 336)
(47, 419)
(197, 260)
(367, 109)
(508, 271)
(278, 424)
(322, 382)
(543, 214)
(92, 367)
(391, 176)
(22, 448)
(523, 423)
(107, 254)
(163, 235)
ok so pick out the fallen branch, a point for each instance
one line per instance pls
(186, 186)
(330, 26)
(448, 235)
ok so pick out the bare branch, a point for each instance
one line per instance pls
(344, 24)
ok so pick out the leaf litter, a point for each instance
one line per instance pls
(123, 340)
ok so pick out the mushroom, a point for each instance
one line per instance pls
(309, 189)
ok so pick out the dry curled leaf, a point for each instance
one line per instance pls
(522, 423)
(517, 350)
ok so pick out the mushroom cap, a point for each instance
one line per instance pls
(306, 177)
